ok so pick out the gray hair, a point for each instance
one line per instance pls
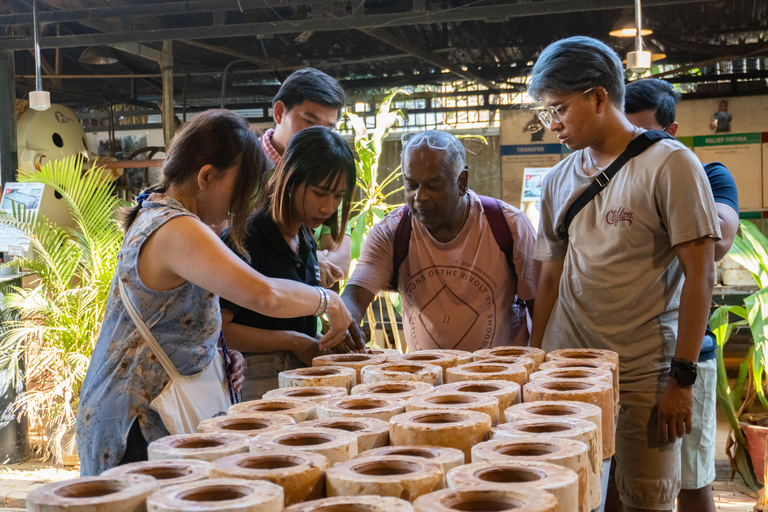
(574, 65)
(455, 154)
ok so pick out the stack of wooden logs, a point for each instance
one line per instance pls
(430, 431)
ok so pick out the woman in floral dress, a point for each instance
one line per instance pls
(174, 267)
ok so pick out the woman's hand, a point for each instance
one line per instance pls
(339, 321)
(306, 348)
(236, 364)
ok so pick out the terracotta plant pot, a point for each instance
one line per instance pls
(756, 437)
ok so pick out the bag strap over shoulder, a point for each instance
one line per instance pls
(500, 228)
(634, 148)
(160, 354)
(493, 213)
(401, 246)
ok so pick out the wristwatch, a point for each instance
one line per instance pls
(684, 372)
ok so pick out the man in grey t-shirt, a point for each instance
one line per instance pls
(634, 272)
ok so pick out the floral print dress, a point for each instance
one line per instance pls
(124, 376)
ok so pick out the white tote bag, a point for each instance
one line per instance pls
(187, 399)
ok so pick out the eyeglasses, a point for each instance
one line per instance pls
(416, 139)
(471, 143)
(552, 114)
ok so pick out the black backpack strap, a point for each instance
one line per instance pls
(401, 245)
(635, 147)
(500, 228)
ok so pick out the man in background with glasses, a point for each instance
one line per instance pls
(634, 271)
(651, 104)
(459, 289)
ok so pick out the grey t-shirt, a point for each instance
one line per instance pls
(621, 282)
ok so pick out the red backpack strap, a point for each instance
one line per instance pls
(499, 227)
(401, 246)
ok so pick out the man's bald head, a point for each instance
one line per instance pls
(447, 145)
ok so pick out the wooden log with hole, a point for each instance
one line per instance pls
(219, 495)
(314, 394)
(127, 493)
(566, 453)
(248, 423)
(447, 458)
(556, 410)
(354, 504)
(208, 446)
(297, 408)
(355, 361)
(584, 353)
(398, 372)
(360, 407)
(300, 474)
(590, 364)
(166, 472)
(388, 389)
(389, 353)
(336, 445)
(588, 355)
(527, 362)
(392, 475)
(482, 371)
(370, 432)
(452, 400)
(574, 429)
(325, 376)
(435, 357)
(507, 392)
(487, 498)
(453, 429)
(536, 354)
(579, 373)
(590, 391)
(462, 356)
(562, 482)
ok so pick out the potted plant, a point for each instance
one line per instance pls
(373, 204)
(56, 321)
(746, 441)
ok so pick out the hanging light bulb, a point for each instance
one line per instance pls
(38, 99)
(625, 27)
(639, 60)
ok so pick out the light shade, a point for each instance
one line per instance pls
(625, 27)
(98, 55)
(39, 100)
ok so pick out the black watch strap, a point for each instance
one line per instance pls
(683, 371)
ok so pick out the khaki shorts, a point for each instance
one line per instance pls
(697, 453)
(647, 470)
(261, 372)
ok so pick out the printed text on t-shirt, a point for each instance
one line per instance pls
(615, 216)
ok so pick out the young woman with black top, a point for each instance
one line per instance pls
(314, 177)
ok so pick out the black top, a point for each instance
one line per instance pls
(724, 191)
(272, 256)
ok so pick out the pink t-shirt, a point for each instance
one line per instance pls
(460, 294)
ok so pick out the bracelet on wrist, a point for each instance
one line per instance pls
(321, 307)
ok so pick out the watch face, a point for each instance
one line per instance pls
(684, 376)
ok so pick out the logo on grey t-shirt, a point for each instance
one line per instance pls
(613, 217)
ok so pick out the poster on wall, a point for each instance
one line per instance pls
(533, 179)
(516, 160)
(742, 154)
(18, 195)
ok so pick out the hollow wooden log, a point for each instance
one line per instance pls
(453, 429)
(300, 474)
(219, 495)
(207, 447)
(320, 376)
